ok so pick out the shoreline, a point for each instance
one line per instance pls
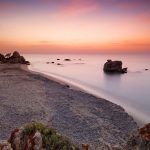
(132, 112)
(80, 116)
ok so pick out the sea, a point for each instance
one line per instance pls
(85, 71)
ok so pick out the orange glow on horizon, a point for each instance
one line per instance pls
(78, 26)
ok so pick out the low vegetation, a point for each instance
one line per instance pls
(51, 139)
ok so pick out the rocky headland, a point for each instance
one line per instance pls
(14, 58)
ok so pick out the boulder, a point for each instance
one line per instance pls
(85, 146)
(16, 54)
(67, 59)
(27, 63)
(114, 67)
(7, 55)
(140, 140)
(2, 58)
(4, 145)
(20, 141)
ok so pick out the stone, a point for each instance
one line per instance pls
(37, 141)
(4, 145)
(140, 140)
(7, 55)
(19, 141)
(16, 54)
(15, 139)
(67, 59)
(2, 58)
(145, 132)
(114, 67)
(27, 62)
(116, 148)
(85, 146)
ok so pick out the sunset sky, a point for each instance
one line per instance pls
(75, 26)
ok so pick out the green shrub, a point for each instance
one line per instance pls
(51, 139)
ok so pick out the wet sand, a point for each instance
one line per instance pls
(26, 97)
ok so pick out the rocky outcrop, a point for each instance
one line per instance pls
(36, 136)
(114, 67)
(140, 140)
(16, 54)
(67, 59)
(21, 141)
(15, 58)
(5, 145)
(2, 57)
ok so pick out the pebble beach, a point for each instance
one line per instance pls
(83, 118)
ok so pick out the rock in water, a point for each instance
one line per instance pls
(67, 59)
(114, 67)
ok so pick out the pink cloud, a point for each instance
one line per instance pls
(134, 5)
(7, 6)
(129, 5)
(144, 17)
(78, 7)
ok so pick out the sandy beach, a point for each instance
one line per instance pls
(83, 118)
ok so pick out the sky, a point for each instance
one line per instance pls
(75, 26)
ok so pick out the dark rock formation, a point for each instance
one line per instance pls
(114, 67)
(7, 55)
(85, 146)
(36, 136)
(67, 59)
(21, 141)
(140, 140)
(16, 54)
(2, 58)
(15, 58)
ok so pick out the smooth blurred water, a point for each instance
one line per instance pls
(131, 90)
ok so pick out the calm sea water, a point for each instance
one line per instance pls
(131, 90)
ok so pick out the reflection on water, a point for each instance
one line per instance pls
(130, 90)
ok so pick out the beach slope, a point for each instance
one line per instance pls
(83, 118)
